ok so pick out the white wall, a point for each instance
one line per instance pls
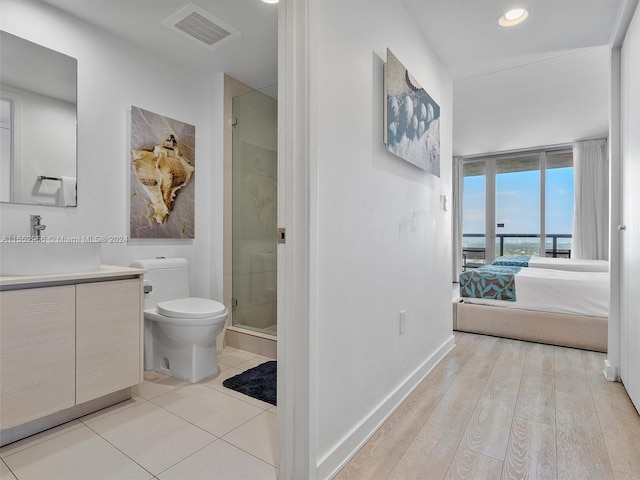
(560, 100)
(112, 76)
(381, 241)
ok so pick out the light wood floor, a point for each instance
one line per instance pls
(503, 409)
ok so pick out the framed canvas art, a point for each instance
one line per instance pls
(411, 118)
(162, 176)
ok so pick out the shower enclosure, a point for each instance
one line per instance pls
(254, 212)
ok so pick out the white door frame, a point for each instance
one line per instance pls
(614, 360)
(612, 363)
(296, 421)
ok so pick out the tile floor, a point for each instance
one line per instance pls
(169, 430)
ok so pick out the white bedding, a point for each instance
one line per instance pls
(559, 291)
(576, 265)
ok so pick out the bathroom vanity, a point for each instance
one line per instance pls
(70, 344)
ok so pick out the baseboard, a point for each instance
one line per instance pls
(332, 462)
(41, 424)
(610, 371)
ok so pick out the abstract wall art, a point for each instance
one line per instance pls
(411, 117)
(162, 176)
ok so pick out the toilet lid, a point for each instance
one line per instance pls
(191, 307)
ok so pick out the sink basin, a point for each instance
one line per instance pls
(48, 258)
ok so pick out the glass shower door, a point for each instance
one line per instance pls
(254, 207)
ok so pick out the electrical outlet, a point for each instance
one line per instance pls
(403, 321)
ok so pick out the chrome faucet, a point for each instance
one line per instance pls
(36, 226)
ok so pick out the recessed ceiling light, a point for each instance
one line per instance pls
(270, 1)
(513, 17)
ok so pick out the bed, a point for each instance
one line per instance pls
(573, 264)
(560, 307)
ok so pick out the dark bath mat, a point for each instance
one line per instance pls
(257, 382)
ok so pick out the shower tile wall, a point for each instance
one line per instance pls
(255, 212)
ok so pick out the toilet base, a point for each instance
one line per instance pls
(186, 362)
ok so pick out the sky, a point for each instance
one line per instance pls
(517, 202)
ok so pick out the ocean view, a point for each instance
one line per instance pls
(516, 208)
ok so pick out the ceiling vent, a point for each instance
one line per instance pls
(201, 26)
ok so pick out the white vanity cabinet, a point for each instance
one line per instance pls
(107, 337)
(37, 353)
(69, 345)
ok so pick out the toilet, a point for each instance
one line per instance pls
(180, 331)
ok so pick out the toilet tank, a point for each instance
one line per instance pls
(169, 278)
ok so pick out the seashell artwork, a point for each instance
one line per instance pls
(162, 166)
(162, 172)
(412, 118)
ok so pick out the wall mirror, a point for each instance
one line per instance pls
(38, 90)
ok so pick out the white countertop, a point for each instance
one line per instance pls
(105, 271)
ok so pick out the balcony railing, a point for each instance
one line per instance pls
(475, 256)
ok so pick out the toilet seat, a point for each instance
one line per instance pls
(191, 308)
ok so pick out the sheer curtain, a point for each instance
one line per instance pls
(590, 237)
(456, 223)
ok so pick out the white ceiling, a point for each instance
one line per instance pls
(251, 58)
(464, 33)
(543, 82)
(469, 42)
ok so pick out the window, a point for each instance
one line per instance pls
(559, 204)
(517, 204)
(517, 219)
(473, 214)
